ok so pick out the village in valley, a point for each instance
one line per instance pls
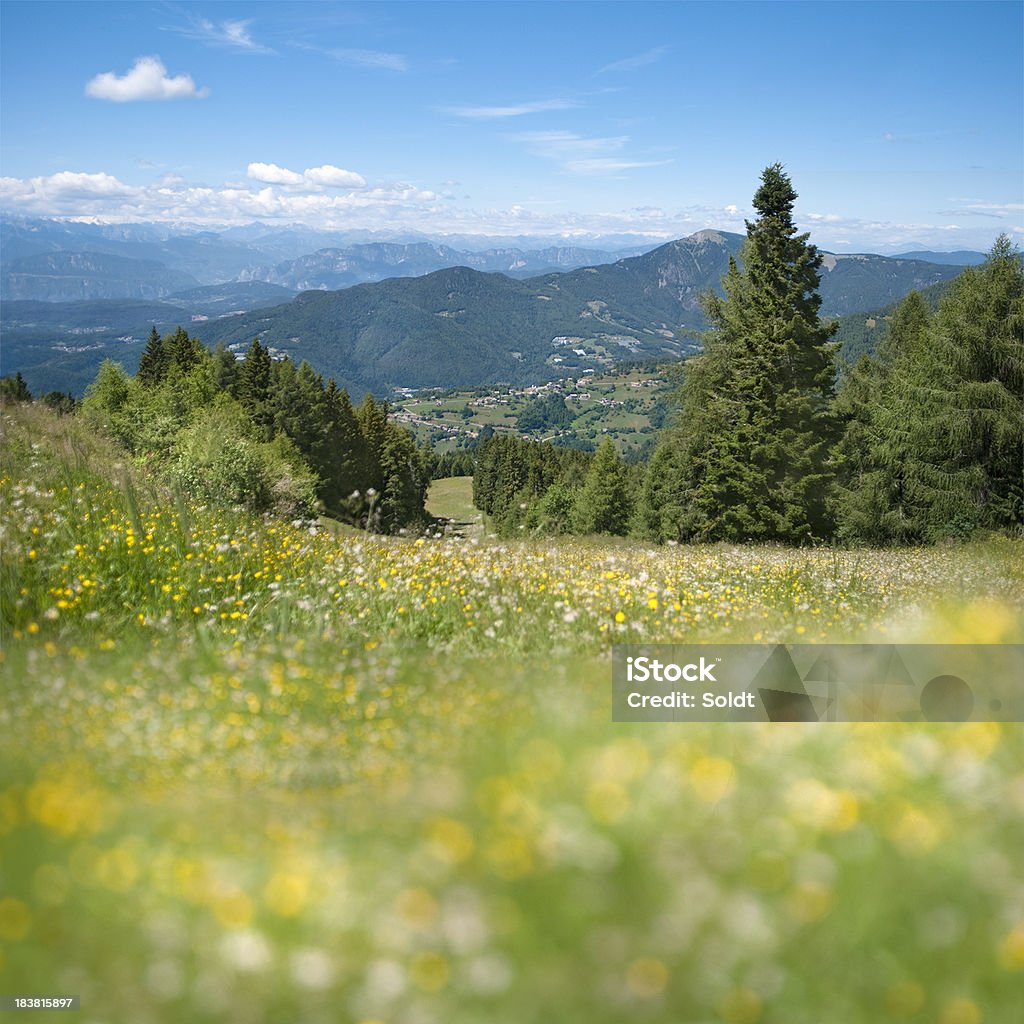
(627, 403)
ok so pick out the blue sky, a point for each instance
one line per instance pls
(901, 124)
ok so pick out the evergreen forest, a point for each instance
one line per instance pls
(774, 441)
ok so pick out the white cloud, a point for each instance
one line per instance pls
(370, 59)
(639, 61)
(980, 204)
(562, 145)
(334, 177)
(399, 207)
(607, 165)
(78, 185)
(273, 174)
(67, 194)
(325, 176)
(147, 80)
(230, 34)
(733, 210)
(514, 110)
(578, 154)
(74, 183)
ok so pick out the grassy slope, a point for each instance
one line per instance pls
(254, 774)
(452, 499)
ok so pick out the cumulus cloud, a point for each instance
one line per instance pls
(73, 194)
(273, 174)
(325, 176)
(67, 185)
(399, 207)
(334, 177)
(147, 80)
(68, 194)
(514, 110)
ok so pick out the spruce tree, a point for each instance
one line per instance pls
(372, 417)
(154, 361)
(406, 479)
(225, 369)
(604, 505)
(755, 427)
(873, 501)
(346, 465)
(958, 418)
(184, 353)
(254, 380)
(14, 389)
(659, 512)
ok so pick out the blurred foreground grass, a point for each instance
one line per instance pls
(252, 772)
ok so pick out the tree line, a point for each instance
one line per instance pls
(262, 433)
(537, 487)
(921, 441)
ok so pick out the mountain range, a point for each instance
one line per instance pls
(61, 261)
(448, 327)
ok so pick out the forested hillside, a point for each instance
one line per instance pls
(450, 327)
(458, 327)
(262, 434)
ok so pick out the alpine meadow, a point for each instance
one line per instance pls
(336, 502)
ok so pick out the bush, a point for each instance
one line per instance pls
(219, 457)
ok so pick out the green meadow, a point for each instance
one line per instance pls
(262, 771)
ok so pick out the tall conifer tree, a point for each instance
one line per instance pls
(956, 420)
(755, 427)
(154, 361)
(604, 504)
(874, 500)
(254, 381)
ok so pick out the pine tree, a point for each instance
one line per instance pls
(254, 379)
(372, 417)
(659, 512)
(14, 389)
(346, 465)
(154, 361)
(755, 426)
(183, 353)
(225, 369)
(873, 501)
(960, 414)
(604, 505)
(934, 441)
(406, 479)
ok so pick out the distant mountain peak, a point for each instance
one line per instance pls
(708, 235)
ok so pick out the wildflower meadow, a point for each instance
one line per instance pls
(264, 771)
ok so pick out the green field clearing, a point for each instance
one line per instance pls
(452, 499)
